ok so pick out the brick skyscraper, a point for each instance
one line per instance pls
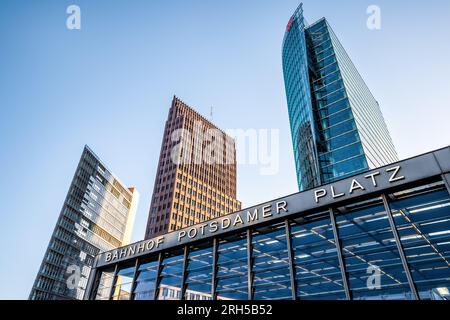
(202, 185)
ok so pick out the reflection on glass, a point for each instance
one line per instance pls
(145, 280)
(171, 276)
(123, 283)
(422, 216)
(232, 268)
(271, 280)
(317, 270)
(199, 272)
(370, 253)
(105, 283)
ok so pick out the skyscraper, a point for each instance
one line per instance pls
(336, 124)
(97, 215)
(196, 175)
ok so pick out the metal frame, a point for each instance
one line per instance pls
(184, 272)
(400, 247)
(291, 259)
(113, 284)
(133, 283)
(214, 271)
(337, 242)
(158, 276)
(249, 265)
(93, 278)
(446, 179)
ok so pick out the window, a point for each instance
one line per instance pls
(199, 271)
(171, 273)
(271, 279)
(317, 270)
(232, 268)
(145, 280)
(105, 283)
(422, 217)
(369, 248)
(123, 283)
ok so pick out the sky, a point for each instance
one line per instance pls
(110, 84)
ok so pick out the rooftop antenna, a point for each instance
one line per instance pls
(211, 114)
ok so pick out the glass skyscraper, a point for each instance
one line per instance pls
(97, 216)
(336, 124)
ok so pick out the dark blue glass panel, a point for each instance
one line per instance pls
(123, 283)
(171, 276)
(232, 268)
(370, 253)
(422, 216)
(146, 280)
(199, 272)
(271, 280)
(316, 262)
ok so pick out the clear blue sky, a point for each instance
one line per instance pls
(109, 85)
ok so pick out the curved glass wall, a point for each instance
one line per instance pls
(337, 126)
(298, 93)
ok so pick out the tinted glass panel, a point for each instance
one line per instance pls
(422, 217)
(316, 262)
(199, 273)
(373, 264)
(232, 268)
(145, 280)
(171, 273)
(271, 280)
(105, 283)
(123, 283)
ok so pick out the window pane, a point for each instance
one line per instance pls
(105, 283)
(122, 286)
(199, 272)
(315, 257)
(271, 280)
(232, 268)
(171, 273)
(422, 216)
(146, 279)
(370, 252)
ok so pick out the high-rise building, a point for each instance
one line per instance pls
(196, 175)
(97, 216)
(336, 124)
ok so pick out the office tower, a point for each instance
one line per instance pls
(196, 175)
(97, 215)
(336, 124)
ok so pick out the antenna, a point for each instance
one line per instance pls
(211, 114)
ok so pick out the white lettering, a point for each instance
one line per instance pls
(320, 194)
(395, 171)
(372, 177)
(355, 186)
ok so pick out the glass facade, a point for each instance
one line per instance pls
(336, 124)
(97, 216)
(393, 244)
